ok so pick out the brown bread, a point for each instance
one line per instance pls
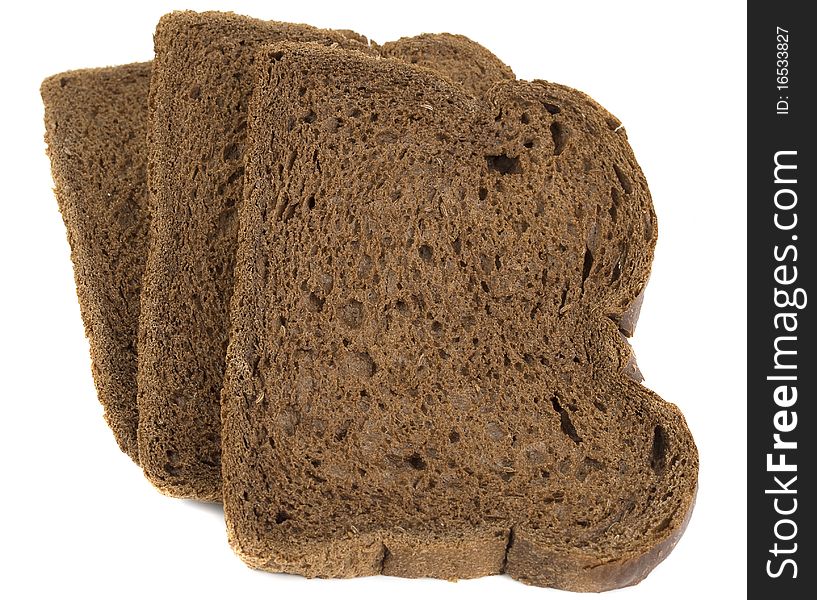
(201, 84)
(423, 378)
(95, 122)
(110, 246)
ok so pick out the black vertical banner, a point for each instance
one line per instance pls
(782, 297)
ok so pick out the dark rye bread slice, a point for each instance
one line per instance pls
(201, 85)
(95, 123)
(422, 378)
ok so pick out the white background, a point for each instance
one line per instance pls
(78, 519)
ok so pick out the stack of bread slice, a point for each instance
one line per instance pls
(375, 300)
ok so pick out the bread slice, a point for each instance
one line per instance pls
(422, 378)
(201, 85)
(95, 123)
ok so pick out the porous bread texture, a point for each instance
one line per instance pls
(422, 376)
(95, 127)
(201, 85)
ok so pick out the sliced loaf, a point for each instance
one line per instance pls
(95, 123)
(422, 377)
(109, 246)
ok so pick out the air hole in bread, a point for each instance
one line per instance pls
(341, 433)
(288, 211)
(648, 228)
(503, 164)
(660, 445)
(361, 364)
(559, 134)
(563, 301)
(195, 92)
(234, 176)
(588, 265)
(551, 108)
(310, 117)
(525, 118)
(664, 524)
(171, 466)
(425, 252)
(454, 436)
(315, 302)
(566, 424)
(616, 202)
(280, 517)
(623, 179)
(483, 193)
(231, 152)
(416, 462)
(171, 470)
(616, 271)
